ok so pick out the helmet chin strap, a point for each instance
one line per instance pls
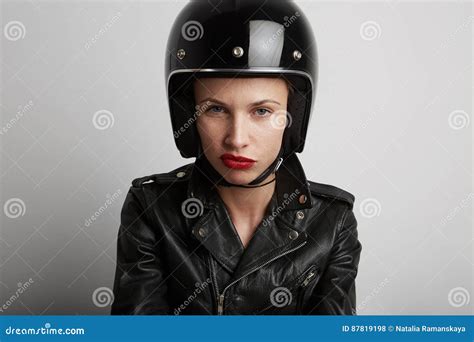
(217, 179)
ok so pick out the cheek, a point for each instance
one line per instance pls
(209, 131)
(270, 137)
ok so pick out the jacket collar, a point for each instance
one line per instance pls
(280, 231)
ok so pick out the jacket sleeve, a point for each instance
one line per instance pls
(139, 286)
(335, 292)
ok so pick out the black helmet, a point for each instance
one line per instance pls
(240, 38)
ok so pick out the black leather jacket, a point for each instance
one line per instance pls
(179, 253)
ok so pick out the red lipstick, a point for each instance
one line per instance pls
(237, 162)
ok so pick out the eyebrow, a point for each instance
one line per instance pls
(258, 103)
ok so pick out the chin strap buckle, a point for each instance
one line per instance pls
(280, 160)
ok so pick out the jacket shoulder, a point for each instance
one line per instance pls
(332, 192)
(179, 174)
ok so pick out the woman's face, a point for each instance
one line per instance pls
(241, 117)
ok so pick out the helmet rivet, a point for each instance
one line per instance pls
(238, 52)
(297, 55)
(181, 53)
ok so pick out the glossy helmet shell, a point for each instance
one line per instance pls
(240, 38)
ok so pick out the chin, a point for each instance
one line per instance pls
(238, 177)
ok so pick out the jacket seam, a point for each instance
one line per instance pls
(342, 221)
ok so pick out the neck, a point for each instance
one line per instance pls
(248, 204)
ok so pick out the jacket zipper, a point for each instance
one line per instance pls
(308, 278)
(221, 297)
(220, 305)
(214, 278)
(302, 287)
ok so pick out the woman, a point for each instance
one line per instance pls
(241, 230)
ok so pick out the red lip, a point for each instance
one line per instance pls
(237, 162)
(236, 158)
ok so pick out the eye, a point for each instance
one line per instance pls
(214, 107)
(262, 112)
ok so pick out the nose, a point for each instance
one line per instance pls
(237, 136)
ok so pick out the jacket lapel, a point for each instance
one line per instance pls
(269, 242)
(280, 231)
(214, 229)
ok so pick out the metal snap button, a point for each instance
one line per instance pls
(293, 235)
(300, 215)
(202, 232)
(181, 174)
(303, 199)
